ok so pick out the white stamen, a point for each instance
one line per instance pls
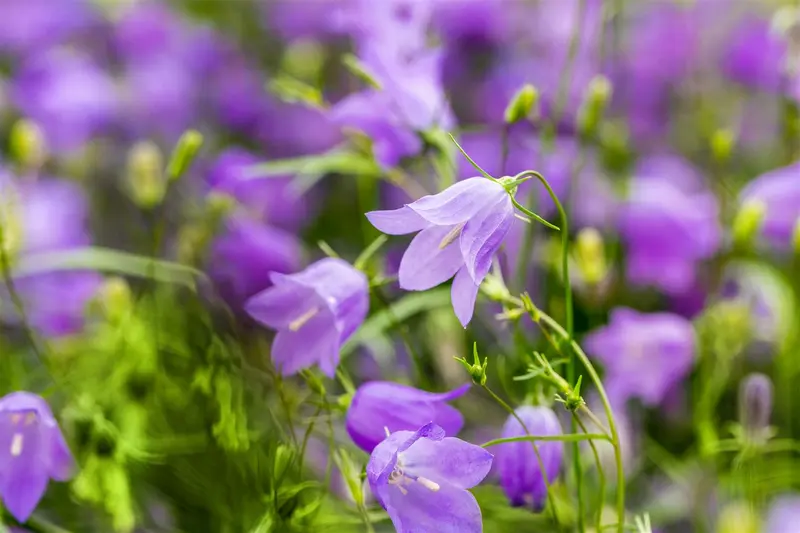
(300, 321)
(428, 484)
(522, 218)
(452, 236)
(16, 444)
(386, 429)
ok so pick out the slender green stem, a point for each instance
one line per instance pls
(572, 437)
(593, 417)
(513, 413)
(601, 476)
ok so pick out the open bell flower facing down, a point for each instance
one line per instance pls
(32, 451)
(381, 405)
(314, 312)
(520, 474)
(460, 230)
(421, 479)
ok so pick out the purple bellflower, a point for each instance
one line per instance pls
(520, 475)
(460, 230)
(378, 405)
(314, 312)
(779, 192)
(421, 479)
(644, 355)
(32, 451)
(784, 514)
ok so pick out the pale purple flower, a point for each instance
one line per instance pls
(784, 514)
(245, 253)
(460, 230)
(668, 226)
(30, 26)
(381, 405)
(779, 192)
(314, 312)
(69, 96)
(32, 452)
(756, 55)
(755, 404)
(644, 355)
(421, 479)
(520, 475)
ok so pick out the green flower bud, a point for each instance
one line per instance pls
(747, 223)
(28, 145)
(722, 144)
(184, 154)
(523, 105)
(116, 298)
(495, 288)
(476, 370)
(590, 256)
(595, 102)
(145, 175)
(304, 59)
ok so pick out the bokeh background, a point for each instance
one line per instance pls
(670, 129)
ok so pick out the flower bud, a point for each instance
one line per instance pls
(590, 256)
(184, 154)
(747, 223)
(523, 105)
(495, 288)
(594, 105)
(116, 298)
(722, 144)
(755, 405)
(28, 145)
(520, 474)
(145, 174)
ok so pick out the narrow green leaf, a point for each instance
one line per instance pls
(360, 71)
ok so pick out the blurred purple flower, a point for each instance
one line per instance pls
(755, 405)
(292, 20)
(476, 213)
(520, 476)
(71, 98)
(470, 20)
(783, 515)
(271, 199)
(303, 130)
(644, 355)
(246, 252)
(381, 405)
(779, 191)
(668, 227)
(33, 452)
(421, 479)
(756, 55)
(314, 311)
(50, 215)
(30, 26)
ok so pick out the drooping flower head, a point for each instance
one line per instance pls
(520, 474)
(32, 452)
(421, 479)
(314, 312)
(460, 230)
(779, 192)
(381, 405)
(644, 354)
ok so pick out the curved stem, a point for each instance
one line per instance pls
(572, 437)
(513, 413)
(601, 476)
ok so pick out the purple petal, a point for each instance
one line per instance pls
(23, 462)
(460, 202)
(317, 341)
(425, 263)
(397, 221)
(448, 510)
(484, 234)
(463, 294)
(450, 460)
(281, 304)
(62, 464)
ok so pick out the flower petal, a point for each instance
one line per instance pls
(448, 510)
(484, 234)
(463, 293)
(62, 464)
(460, 202)
(425, 263)
(23, 472)
(397, 221)
(450, 460)
(316, 341)
(281, 304)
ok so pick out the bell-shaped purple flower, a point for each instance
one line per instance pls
(314, 312)
(784, 514)
(460, 230)
(381, 405)
(755, 405)
(421, 479)
(520, 475)
(32, 451)
(779, 192)
(644, 354)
